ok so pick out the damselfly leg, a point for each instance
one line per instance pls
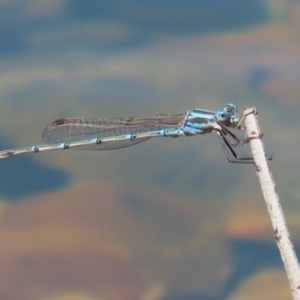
(236, 141)
(226, 144)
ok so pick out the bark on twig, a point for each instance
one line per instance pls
(280, 229)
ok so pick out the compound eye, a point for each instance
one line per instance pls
(231, 107)
(222, 116)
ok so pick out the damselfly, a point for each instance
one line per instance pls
(113, 133)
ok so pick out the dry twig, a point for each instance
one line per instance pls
(280, 229)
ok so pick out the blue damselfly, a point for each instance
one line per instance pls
(113, 133)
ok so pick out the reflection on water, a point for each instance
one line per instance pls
(169, 16)
(23, 176)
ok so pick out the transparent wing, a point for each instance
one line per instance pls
(76, 129)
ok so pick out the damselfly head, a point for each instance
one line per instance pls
(228, 115)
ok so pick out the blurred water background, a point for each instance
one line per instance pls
(169, 219)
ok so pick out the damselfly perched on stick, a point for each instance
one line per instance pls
(114, 133)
